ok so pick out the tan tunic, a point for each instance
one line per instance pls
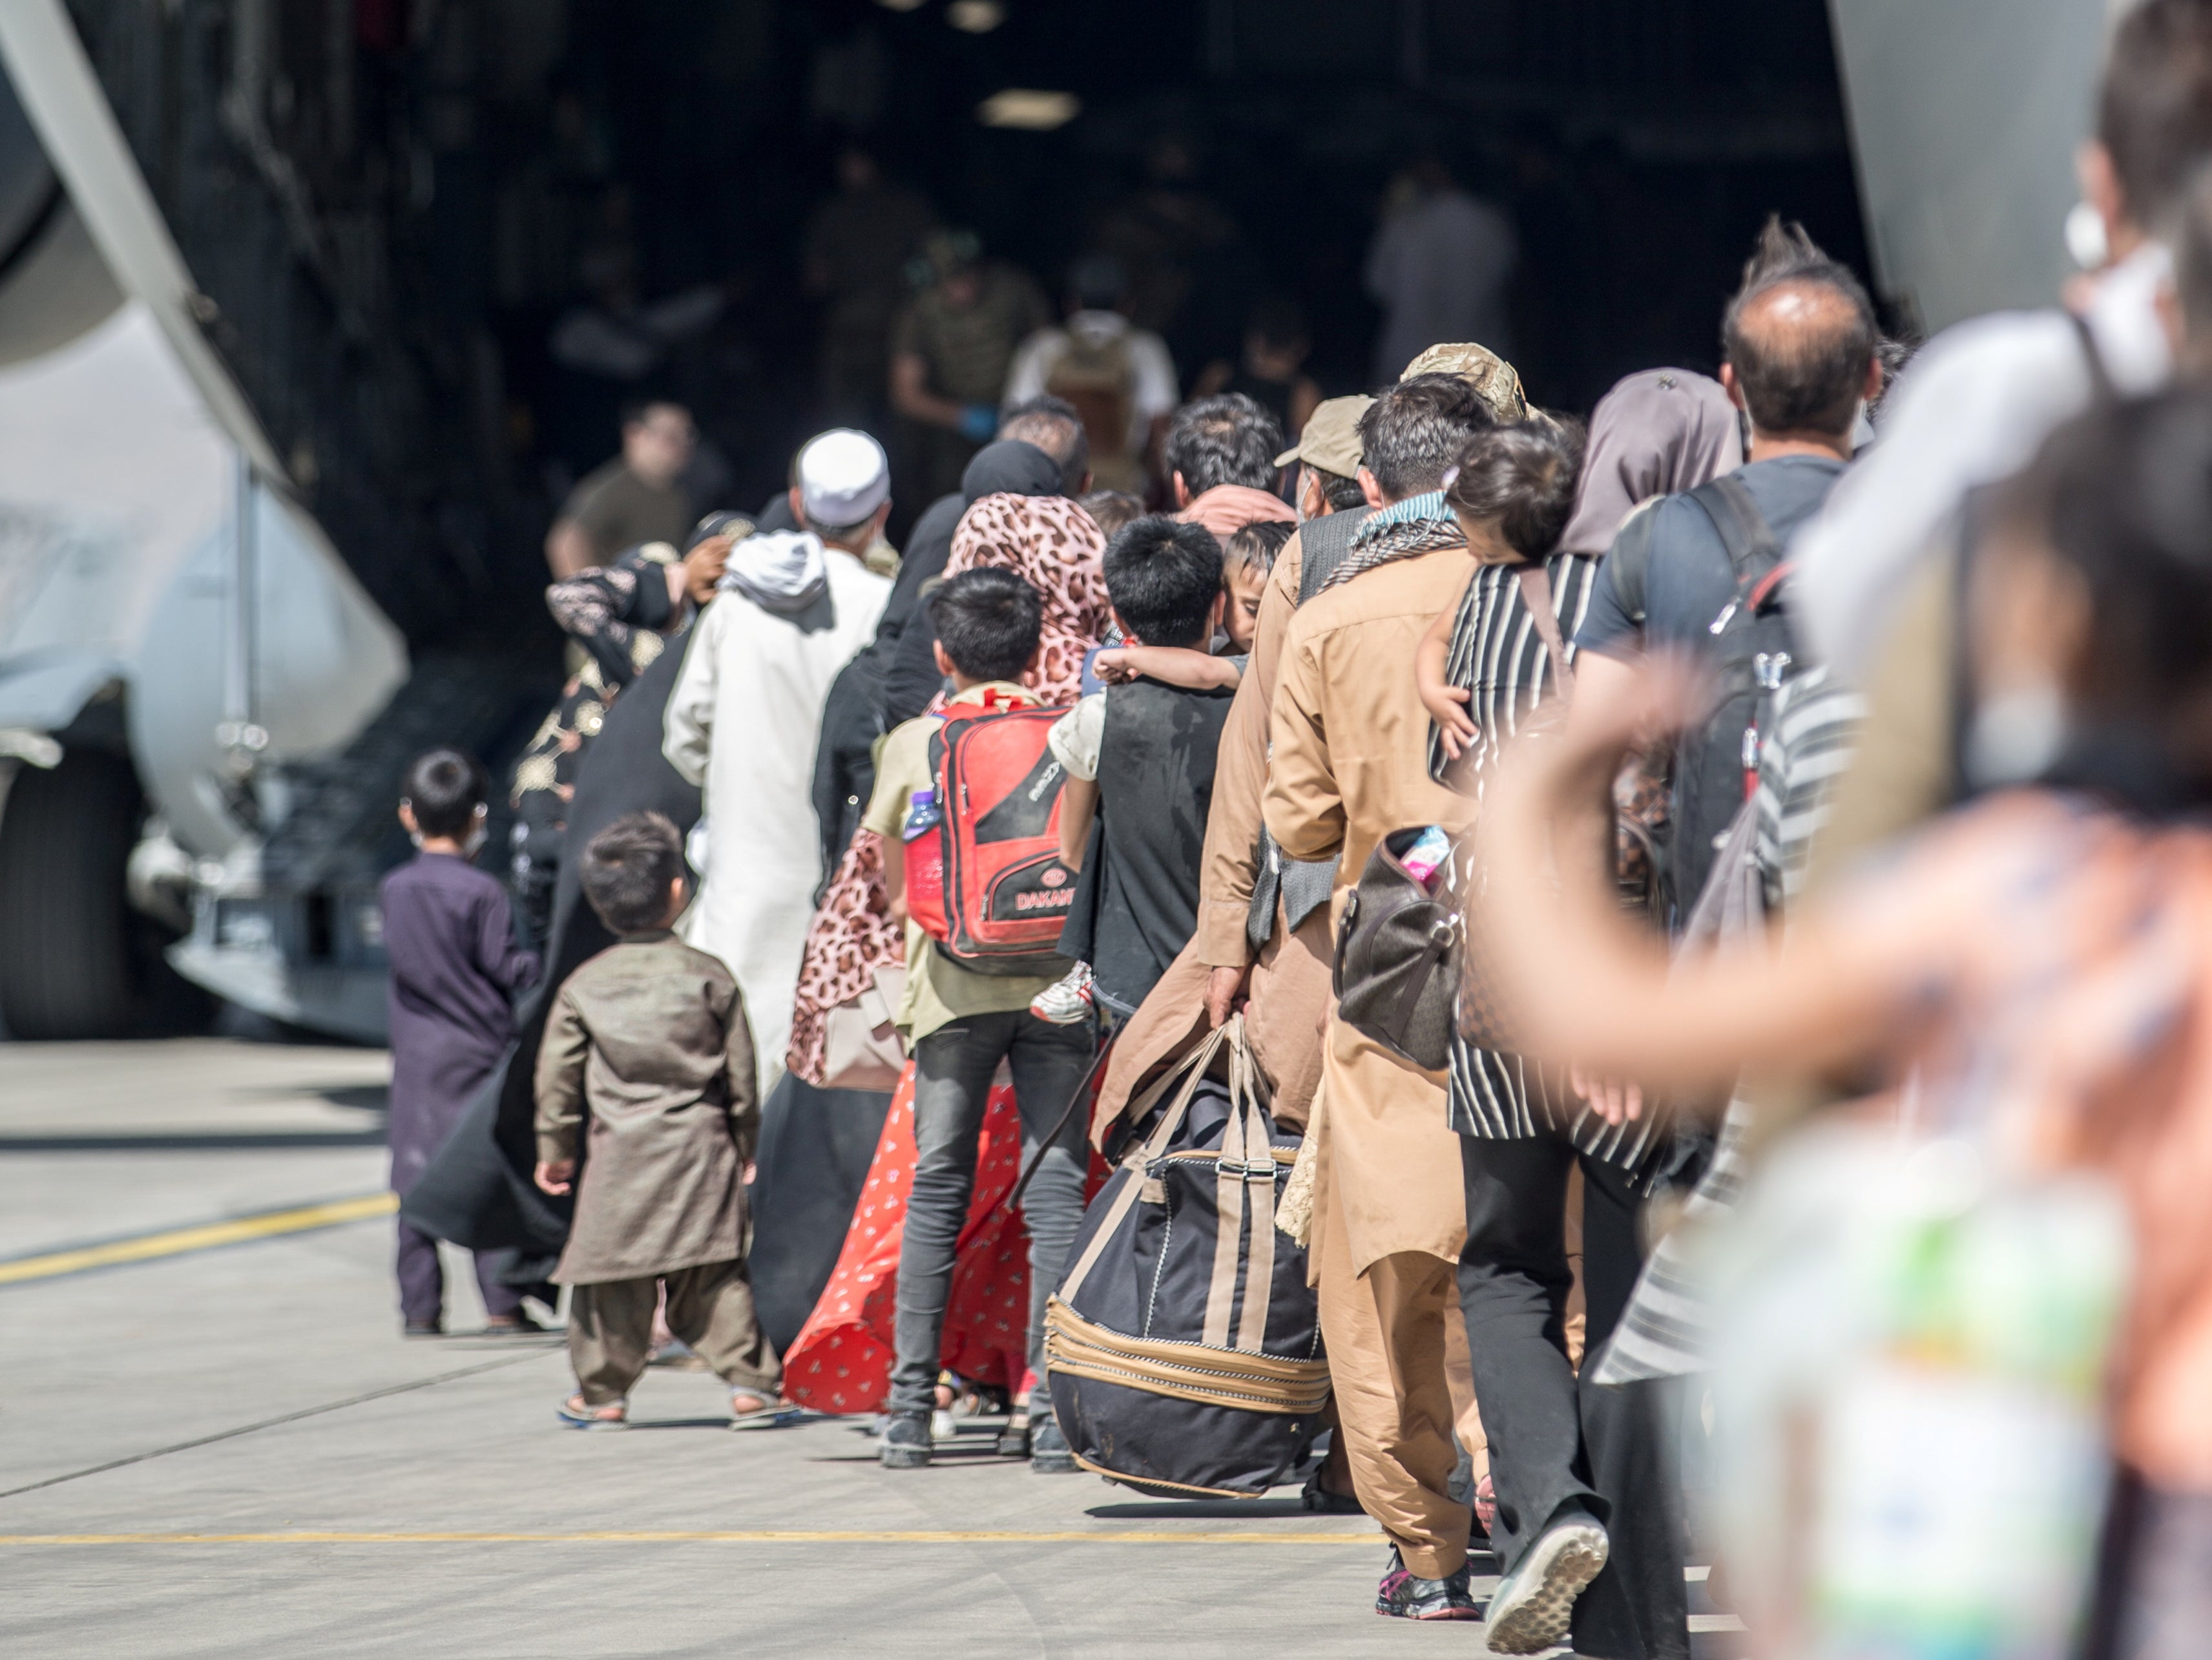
(650, 1035)
(1240, 777)
(1349, 765)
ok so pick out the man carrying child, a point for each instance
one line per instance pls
(960, 1023)
(648, 1041)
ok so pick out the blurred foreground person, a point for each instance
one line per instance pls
(2037, 967)
(647, 1063)
(455, 969)
(1979, 397)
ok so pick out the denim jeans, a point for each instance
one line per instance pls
(953, 1083)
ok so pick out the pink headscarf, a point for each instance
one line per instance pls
(1656, 432)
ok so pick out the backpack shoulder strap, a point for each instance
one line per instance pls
(1535, 580)
(1752, 544)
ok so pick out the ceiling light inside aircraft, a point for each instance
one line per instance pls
(1030, 109)
(976, 16)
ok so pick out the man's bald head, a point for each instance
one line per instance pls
(1800, 335)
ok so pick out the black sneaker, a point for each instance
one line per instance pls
(905, 1445)
(1014, 1439)
(1049, 1451)
(1403, 1594)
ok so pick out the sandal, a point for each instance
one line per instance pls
(578, 1414)
(748, 1410)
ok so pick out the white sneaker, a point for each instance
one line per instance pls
(1067, 1000)
(1530, 1610)
(943, 1426)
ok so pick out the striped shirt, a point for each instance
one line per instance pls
(1499, 654)
(1810, 725)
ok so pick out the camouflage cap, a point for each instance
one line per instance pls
(1494, 379)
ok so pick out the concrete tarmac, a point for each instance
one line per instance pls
(231, 1451)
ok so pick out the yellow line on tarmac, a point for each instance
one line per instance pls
(757, 1536)
(175, 1241)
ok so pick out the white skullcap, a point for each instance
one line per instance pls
(843, 476)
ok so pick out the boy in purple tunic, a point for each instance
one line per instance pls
(454, 970)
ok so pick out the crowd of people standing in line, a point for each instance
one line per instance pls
(1829, 735)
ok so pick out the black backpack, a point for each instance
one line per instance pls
(1754, 651)
(1182, 1349)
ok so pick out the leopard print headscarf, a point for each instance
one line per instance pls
(1052, 542)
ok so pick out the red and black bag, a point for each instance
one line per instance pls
(997, 842)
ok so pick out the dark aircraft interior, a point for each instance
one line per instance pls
(391, 205)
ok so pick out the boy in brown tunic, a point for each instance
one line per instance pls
(651, 1035)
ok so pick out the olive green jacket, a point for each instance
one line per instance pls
(648, 1045)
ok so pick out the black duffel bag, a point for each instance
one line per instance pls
(1183, 1350)
(1396, 972)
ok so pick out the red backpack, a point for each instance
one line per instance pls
(991, 863)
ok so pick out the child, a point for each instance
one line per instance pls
(1512, 491)
(650, 1038)
(1246, 563)
(959, 1025)
(1148, 746)
(455, 967)
(1249, 556)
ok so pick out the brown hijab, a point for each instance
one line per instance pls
(1656, 432)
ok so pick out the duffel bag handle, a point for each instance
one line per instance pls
(1244, 1180)
(1189, 1070)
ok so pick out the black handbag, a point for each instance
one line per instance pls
(1396, 974)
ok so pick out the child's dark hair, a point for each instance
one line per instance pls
(1523, 477)
(989, 622)
(1162, 576)
(1255, 547)
(2122, 495)
(1111, 509)
(628, 867)
(444, 788)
